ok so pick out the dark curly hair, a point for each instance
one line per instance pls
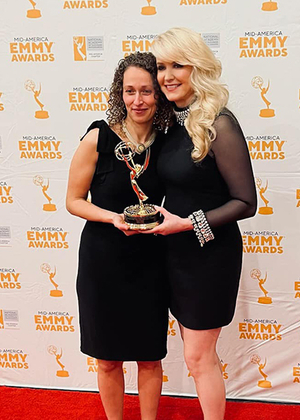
(116, 111)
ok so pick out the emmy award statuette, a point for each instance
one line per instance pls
(38, 180)
(30, 86)
(256, 274)
(139, 216)
(257, 83)
(45, 268)
(148, 10)
(62, 373)
(264, 383)
(266, 209)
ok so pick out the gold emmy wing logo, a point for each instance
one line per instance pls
(255, 359)
(1, 319)
(38, 180)
(33, 13)
(46, 269)
(30, 86)
(266, 209)
(257, 82)
(256, 275)
(148, 10)
(269, 6)
(79, 44)
(62, 373)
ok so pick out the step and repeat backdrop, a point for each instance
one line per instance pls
(57, 59)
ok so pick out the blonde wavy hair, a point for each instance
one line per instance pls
(186, 47)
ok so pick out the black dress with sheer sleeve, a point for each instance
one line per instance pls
(204, 280)
(121, 283)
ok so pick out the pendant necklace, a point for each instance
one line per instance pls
(139, 147)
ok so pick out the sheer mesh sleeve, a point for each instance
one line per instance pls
(233, 161)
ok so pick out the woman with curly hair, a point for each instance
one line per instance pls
(121, 291)
(205, 166)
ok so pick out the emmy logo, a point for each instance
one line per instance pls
(255, 359)
(61, 373)
(269, 6)
(266, 209)
(257, 83)
(39, 181)
(79, 48)
(148, 10)
(30, 86)
(165, 378)
(46, 269)
(33, 13)
(256, 274)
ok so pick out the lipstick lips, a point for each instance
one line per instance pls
(172, 87)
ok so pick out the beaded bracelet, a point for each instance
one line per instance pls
(201, 227)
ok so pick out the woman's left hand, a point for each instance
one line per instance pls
(171, 224)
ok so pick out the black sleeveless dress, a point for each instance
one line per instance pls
(204, 281)
(121, 286)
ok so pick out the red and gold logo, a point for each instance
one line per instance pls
(47, 237)
(54, 321)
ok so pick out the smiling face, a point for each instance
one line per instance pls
(139, 95)
(175, 82)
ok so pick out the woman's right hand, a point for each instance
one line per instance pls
(118, 222)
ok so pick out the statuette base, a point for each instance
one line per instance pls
(142, 217)
(33, 13)
(269, 6)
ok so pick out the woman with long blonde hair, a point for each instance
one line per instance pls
(205, 167)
